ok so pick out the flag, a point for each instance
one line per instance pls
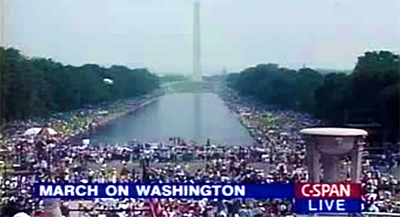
(156, 208)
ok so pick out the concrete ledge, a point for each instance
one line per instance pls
(339, 132)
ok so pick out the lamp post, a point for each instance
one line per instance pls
(18, 166)
(19, 148)
(49, 160)
(49, 152)
(144, 163)
(5, 183)
(3, 157)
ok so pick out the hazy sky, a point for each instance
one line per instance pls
(235, 33)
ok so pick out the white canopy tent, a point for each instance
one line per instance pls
(108, 81)
(85, 142)
(32, 131)
(39, 130)
(21, 214)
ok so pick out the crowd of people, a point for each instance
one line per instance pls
(277, 156)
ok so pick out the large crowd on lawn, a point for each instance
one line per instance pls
(277, 155)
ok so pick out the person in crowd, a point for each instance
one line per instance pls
(280, 151)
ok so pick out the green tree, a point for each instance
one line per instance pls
(36, 87)
(307, 82)
(329, 98)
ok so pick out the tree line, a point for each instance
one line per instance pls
(370, 92)
(37, 87)
(172, 78)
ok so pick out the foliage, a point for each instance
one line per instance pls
(36, 87)
(268, 83)
(268, 120)
(172, 78)
(373, 85)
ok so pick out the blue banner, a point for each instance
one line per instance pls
(304, 206)
(212, 191)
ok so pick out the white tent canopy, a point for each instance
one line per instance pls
(51, 131)
(108, 81)
(36, 130)
(85, 142)
(21, 214)
(32, 131)
(102, 112)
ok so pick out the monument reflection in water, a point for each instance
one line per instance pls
(197, 116)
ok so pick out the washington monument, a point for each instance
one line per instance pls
(2, 27)
(197, 75)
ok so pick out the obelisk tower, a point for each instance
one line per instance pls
(2, 27)
(197, 75)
